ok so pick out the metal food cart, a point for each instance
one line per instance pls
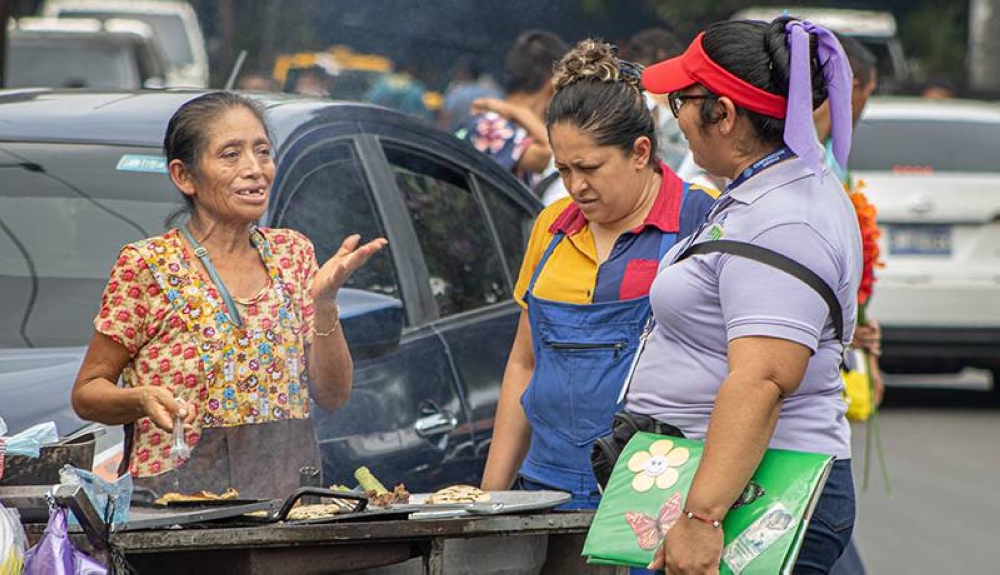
(213, 540)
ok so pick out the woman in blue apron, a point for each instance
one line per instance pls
(586, 276)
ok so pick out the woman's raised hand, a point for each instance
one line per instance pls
(505, 109)
(335, 272)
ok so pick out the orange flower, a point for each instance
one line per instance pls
(869, 240)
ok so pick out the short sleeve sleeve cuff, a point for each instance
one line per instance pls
(790, 330)
(125, 308)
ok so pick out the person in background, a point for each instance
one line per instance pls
(229, 327)
(586, 273)
(312, 81)
(647, 48)
(257, 82)
(743, 355)
(868, 335)
(468, 83)
(401, 91)
(939, 88)
(511, 130)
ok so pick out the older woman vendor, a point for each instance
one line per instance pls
(229, 326)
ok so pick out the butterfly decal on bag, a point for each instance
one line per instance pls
(649, 531)
(752, 492)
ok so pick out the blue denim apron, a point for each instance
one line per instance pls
(582, 355)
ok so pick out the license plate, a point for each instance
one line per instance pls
(920, 240)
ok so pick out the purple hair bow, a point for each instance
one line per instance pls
(800, 132)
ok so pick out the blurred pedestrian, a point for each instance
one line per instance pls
(401, 91)
(647, 48)
(312, 81)
(585, 277)
(468, 83)
(511, 130)
(257, 82)
(868, 335)
(743, 355)
(939, 88)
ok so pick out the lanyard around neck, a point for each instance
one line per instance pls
(202, 253)
(760, 165)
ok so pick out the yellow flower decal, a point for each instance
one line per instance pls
(657, 466)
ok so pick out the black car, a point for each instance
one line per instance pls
(430, 320)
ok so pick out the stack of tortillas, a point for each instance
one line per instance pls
(459, 494)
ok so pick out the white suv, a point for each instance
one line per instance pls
(932, 169)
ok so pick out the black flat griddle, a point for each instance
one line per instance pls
(210, 502)
(159, 516)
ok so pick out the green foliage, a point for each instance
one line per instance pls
(935, 34)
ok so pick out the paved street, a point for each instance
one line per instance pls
(943, 451)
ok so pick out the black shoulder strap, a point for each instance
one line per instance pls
(783, 263)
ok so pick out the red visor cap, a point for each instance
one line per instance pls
(695, 67)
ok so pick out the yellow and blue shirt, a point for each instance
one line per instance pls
(573, 274)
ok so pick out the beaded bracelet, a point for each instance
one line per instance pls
(713, 522)
(329, 332)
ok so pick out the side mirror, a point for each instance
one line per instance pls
(372, 322)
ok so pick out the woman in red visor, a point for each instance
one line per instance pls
(744, 355)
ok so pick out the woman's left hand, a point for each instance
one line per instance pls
(695, 549)
(336, 271)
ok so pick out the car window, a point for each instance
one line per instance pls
(65, 213)
(327, 197)
(512, 222)
(68, 63)
(462, 260)
(169, 30)
(884, 62)
(925, 146)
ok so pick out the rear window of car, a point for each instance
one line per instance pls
(65, 213)
(169, 29)
(925, 146)
(69, 63)
(881, 48)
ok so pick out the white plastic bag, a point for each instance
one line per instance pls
(12, 542)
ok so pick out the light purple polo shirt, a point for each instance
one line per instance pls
(704, 302)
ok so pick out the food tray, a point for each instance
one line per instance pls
(501, 502)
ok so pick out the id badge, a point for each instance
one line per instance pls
(646, 331)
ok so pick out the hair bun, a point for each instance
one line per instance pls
(590, 59)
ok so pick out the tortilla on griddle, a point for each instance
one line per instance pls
(459, 494)
(197, 496)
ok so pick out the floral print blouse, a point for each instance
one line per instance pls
(500, 139)
(173, 323)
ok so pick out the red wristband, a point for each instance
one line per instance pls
(692, 515)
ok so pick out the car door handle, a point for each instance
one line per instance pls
(435, 424)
